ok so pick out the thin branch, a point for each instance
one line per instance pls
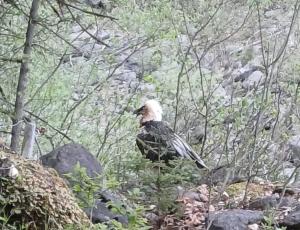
(91, 13)
(47, 79)
(16, 60)
(85, 30)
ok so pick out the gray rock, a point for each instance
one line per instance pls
(225, 173)
(237, 65)
(287, 170)
(63, 160)
(102, 35)
(220, 92)
(192, 195)
(264, 203)
(152, 218)
(236, 219)
(255, 79)
(269, 202)
(272, 13)
(294, 144)
(100, 213)
(292, 220)
(294, 147)
(184, 41)
(245, 72)
(289, 190)
(125, 76)
(7, 168)
(142, 62)
(102, 210)
(147, 87)
(91, 48)
(96, 3)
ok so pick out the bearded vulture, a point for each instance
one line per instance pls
(157, 141)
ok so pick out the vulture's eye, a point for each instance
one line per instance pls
(139, 111)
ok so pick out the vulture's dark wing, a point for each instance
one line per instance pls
(186, 151)
(158, 137)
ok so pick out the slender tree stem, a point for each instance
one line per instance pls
(23, 78)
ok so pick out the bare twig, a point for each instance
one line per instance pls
(85, 30)
(91, 13)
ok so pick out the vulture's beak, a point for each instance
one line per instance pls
(139, 111)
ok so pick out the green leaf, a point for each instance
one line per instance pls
(149, 79)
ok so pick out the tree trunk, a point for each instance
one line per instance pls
(28, 140)
(23, 78)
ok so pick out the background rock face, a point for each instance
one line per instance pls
(64, 159)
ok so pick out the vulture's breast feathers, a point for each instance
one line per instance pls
(157, 141)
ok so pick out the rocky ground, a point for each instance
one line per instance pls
(262, 206)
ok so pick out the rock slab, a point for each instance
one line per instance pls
(237, 219)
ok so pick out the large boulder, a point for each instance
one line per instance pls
(64, 159)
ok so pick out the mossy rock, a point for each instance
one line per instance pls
(37, 198)
(238, 189)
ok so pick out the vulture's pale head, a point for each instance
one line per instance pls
(150, 111)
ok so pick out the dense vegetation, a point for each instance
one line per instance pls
(227, 74)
